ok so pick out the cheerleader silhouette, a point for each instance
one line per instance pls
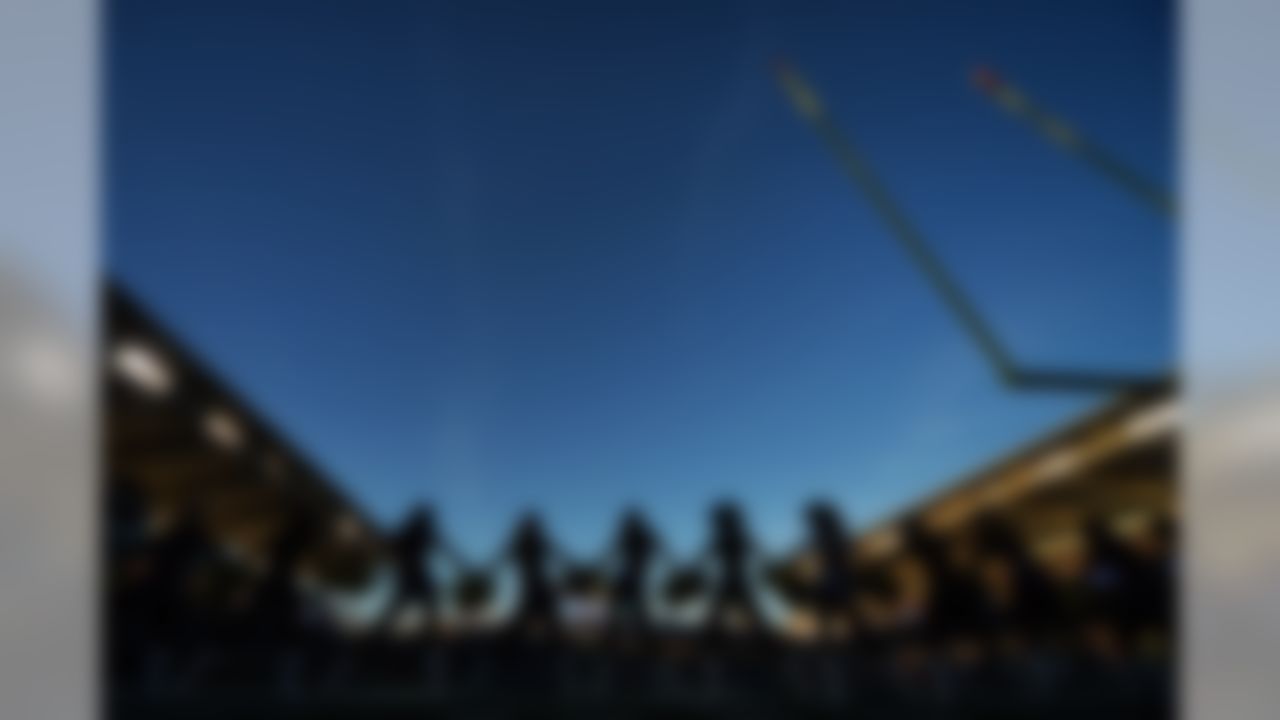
(635, 551)
(731, 553)
(833, 594)
(413, 548)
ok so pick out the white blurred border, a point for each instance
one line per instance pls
(1230, 156)
(48, 252)
(1231, 338)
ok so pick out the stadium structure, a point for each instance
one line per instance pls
(176, 433)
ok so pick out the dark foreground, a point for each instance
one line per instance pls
(507, 679)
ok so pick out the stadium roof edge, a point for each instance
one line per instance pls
(1042, 449)
(121, 303)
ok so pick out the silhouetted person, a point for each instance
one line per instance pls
(1160, 576)
(1113, 574)
(731, 552)
(834, 592)
(413, 548)
(1030, 607)
(532, 552)
(278, 606)
(161, 587)
(173, 560)
(126, 518)
(128, 575)
(636, 548)
(954, 601)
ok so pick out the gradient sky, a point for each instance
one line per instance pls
(581, 255)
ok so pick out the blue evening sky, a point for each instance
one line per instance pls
(578, 255)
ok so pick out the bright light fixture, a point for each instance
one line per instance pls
(1057, 465)
(142, 366)
(223, 429)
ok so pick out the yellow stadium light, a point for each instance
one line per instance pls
(223, 429)
(1057, 465)
(142, 366)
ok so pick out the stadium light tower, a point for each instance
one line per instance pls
(810, 107)
(1061, 134)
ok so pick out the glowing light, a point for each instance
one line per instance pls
(142, 366)
(1057, 465)
(1152, 422)
(223, 429)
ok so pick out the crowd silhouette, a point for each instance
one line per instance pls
(965, 621)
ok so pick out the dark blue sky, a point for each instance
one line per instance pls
(584, 254)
